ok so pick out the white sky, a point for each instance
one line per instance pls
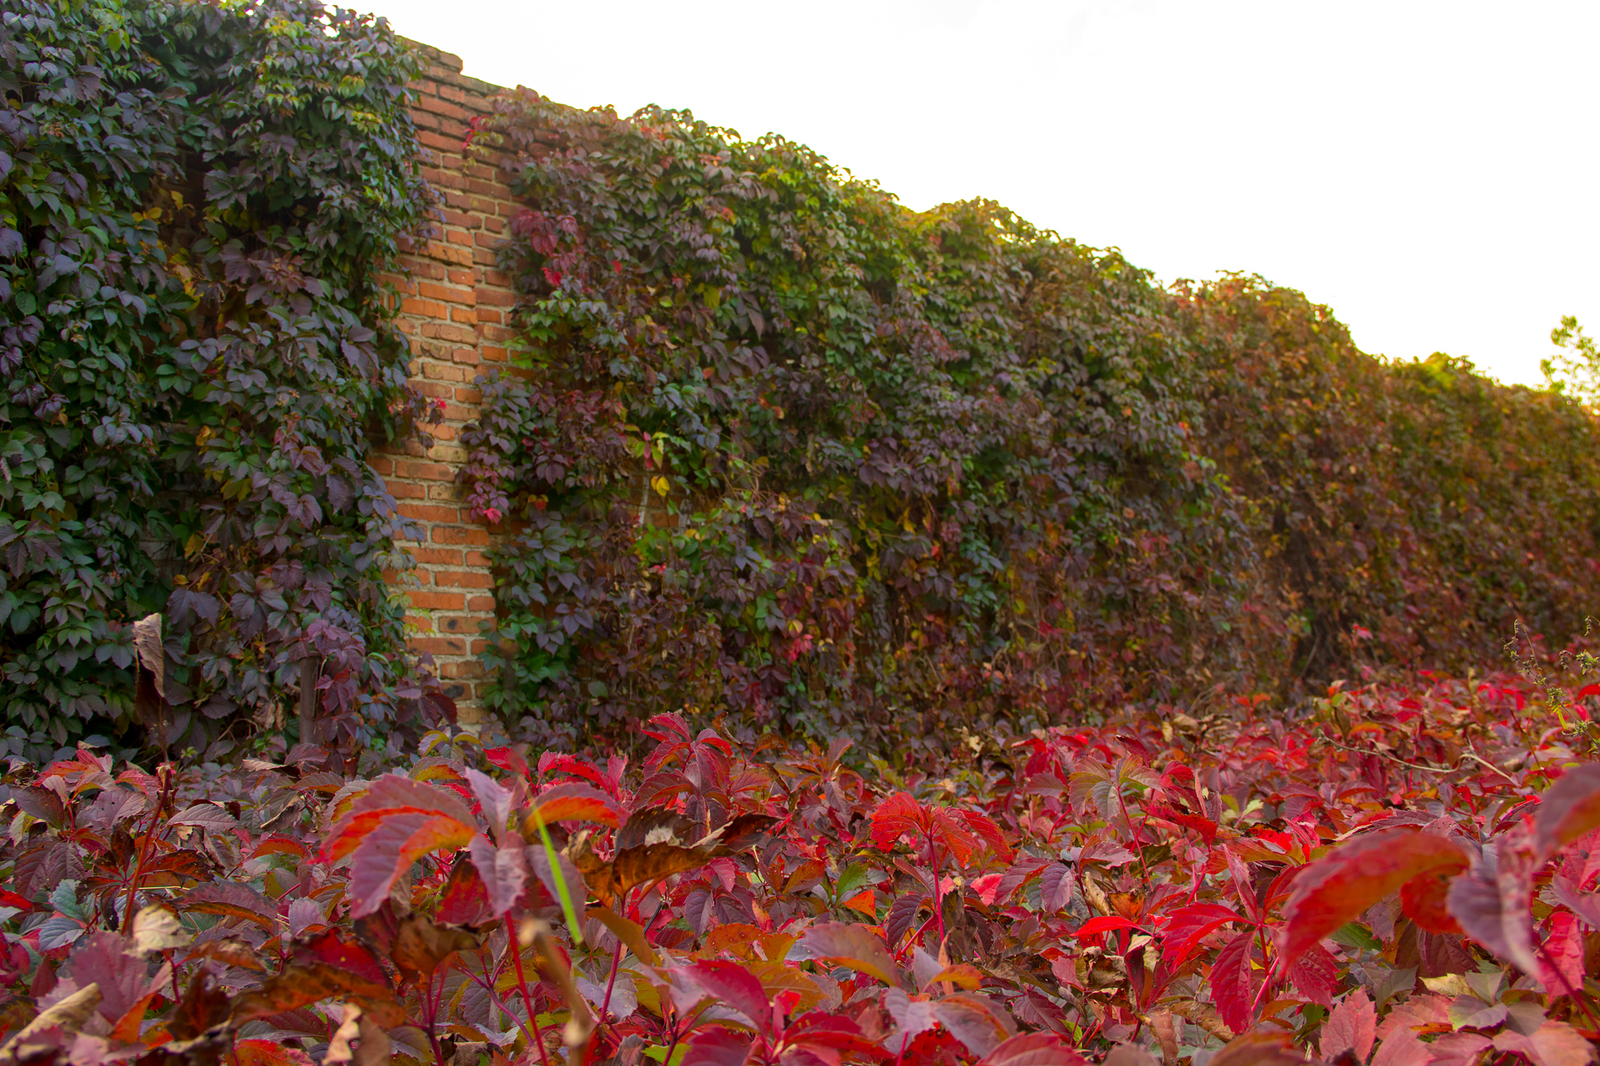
(1426, 169)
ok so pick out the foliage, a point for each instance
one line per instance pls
(196, 200)
(1419, 501)
(788, 451)
(1406, 874)
(1575, 371)
(895, 468)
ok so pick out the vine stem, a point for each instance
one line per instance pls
(938, 895)
(514, 945)
(144, 852)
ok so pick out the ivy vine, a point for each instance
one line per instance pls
(786, 452)
(196, 202)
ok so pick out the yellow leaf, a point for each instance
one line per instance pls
(662, 486)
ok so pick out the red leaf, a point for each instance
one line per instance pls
(1233, 982)
(973, 1020)
(1103, 923)
(899, 815)
(465, 900)
(1350, 1027)
(232, 900)
(951, 833)
(1339, 886)
(574, 802)
(987, 831)
(493, 798)
(1561, 960)
(389, 849)
(335, 950)
(714, 1046)
(1034, 1049)
(1259, 1049)
(269, 1053)
(732, 985)
(1497, 913)
(1315, 974)
(1055, 888)
(1185, 928)
(9, 898)
(911, 1017)
(1569, 809)
(855, 946)
(508, 759)
(1424, 901)
(1552, 1044)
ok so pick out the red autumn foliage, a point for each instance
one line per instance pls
(1405, 874)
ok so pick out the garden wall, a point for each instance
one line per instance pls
(455, 308)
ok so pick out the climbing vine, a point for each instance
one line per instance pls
(791, 453)
(893, 468)
(196, 202)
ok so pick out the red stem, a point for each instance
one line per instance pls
(515, 947)
(938, 896)
(144, 853)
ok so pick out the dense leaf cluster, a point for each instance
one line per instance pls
(196, 201)
(1406, 874)
(923, 470)
(794, 452)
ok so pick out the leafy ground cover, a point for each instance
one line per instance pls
(1402, 875)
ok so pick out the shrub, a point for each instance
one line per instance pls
(1406, 871)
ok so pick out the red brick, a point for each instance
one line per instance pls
(440, 556)
(440, 107)
(425, 471)
(423, 512)
(448, 293)
(444, 373)
(436, 601)
(424, 308)
(481, 603)
(451, 145)
(463, 579)
(460, 535)
(442, 645)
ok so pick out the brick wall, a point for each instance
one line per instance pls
(455, 309)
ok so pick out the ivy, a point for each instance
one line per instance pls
(196, 202)
(897, 468)
(784, 451)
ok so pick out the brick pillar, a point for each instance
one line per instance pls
(455, 310)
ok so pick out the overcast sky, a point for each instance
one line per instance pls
(1426, 169)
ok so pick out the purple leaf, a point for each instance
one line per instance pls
(503, 870)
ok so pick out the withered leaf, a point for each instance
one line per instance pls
(298, 985)
(656, 844)
(421, 945)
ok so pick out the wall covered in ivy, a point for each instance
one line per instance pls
(934, 476)
(748, 439)
(195, 202)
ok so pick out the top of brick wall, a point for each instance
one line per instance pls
(445, 67)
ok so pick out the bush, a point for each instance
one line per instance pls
(1403, 871)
